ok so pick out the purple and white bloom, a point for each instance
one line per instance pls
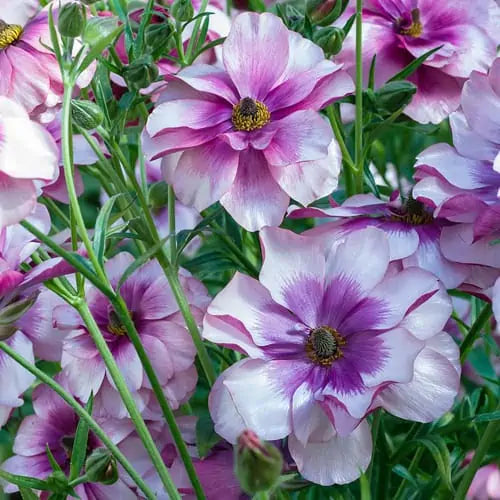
(163, 334)
(413, 233)
(462, 183)
(22, 168)
(54, 425)
(18, 12)
(400, 31)
(250, 132)
(331, 332)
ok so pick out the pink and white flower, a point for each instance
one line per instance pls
(251, 132)
(162, 331)
(400, 31)
(331, 332)
(462, 183)
(54, 425)
(22, 168)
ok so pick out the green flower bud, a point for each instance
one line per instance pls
(98, 28)
(394, 95)
(11, 313)
(86, 114)
(71, 20)
(325, 12)
(58, 482)
(182, 10)
(258, 464)
(330, 39)
(100, 467)
(293, 18)
(89, 2)
(158, 195)
(157, 36)
(141, 73)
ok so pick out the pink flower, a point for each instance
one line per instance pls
(22, 167)
(30, 72)
(399, 31)
(54, 425)
(486, 484)
(462, 183)
(496, 300)
(251, 132)
(331, 332)
(413, 233)
(162, 331)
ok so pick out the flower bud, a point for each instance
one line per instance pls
(71, 20)
(325, 12)
(89, 2)
(12, 312)
(182, 10)
(158, 195)
(394, 95)
(292, 17)
(329, 39)
(86, 114)
(141, 73)
(258, 464)
(100, 467)
(58, 482)
(98, 28)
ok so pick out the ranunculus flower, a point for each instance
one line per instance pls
(22, 167)
(251, 132)
(413, 233)
(54, 425)
(30, 72)
(462, 183)
(162, 331)
(331, 332)
(400, 31)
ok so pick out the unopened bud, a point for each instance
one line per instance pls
(258, 464)
(182, 10)
(86, 114)
(71, 19)
(11, 313)
(58, 482)
(330, 39)
(141, 73)
(394, 95)
(325, 12)
(158, 195)
(293, 18)
(100, 467)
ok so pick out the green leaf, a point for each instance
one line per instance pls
(348, 25)
(206, 438)
(406, 474)
(101, 227)
(79, 451)
(441, 455)
(53, 462)
(140, 261)
(413, 66)
(371, 77)
(365, 487)
(27, 494)
(487, 417)
(24, 481)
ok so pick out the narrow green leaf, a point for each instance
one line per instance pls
(348, 25)
(206, 438)
(441, 455)
(413, 66)
(27, 494)
(371, 77)
(405, 474)
(101, 227)
(140, 261)
(487, 417)
(79, 451)
(53, 462)
(24, 481)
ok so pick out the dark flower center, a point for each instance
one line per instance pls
(250, 114)
(414, 213)
(115, 326)
(9, 33)
(323, 345)
(415, 28)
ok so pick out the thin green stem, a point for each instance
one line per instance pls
(475, 332)
(124, 315)
(127, 398)
(82, 413)
(375, 430)
(486, 441)
(196, 30)
(52, 206)
(413, 466)
(171, 226)
(358, 126)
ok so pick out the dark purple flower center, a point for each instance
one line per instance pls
(250, 114)
(323, 345)
(9, 33)
(413, 213)
(115, 326)
(414, 28)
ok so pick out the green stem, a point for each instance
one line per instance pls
(171, 226)
(474, 332)
(196, 30)
(127, 398)
(413, 466)
(124, 315)
(82, 413)
(375, 429)
(358, 126)
(488, 438)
